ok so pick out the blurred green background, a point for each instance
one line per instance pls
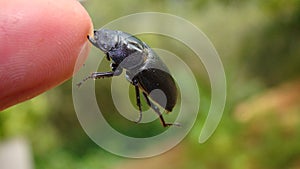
(259, 44)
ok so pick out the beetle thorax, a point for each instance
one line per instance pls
(126, 56)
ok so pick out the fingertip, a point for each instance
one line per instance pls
(39, 46)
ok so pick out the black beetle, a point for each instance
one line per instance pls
(144, 69)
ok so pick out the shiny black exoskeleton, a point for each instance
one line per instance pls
(144, 69)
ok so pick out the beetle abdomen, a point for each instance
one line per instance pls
(151, 79)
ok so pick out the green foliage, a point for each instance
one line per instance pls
(272, 51)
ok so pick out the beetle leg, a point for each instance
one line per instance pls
(107, 57)
(138, 102)
(147, 99)
(96, 75)
(138, 99)
(156, 109)
(116, 71)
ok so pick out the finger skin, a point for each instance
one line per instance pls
(40, 41)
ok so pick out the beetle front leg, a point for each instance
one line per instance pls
(96, 75)
(116, 71)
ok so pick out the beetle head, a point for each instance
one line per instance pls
(106, 39)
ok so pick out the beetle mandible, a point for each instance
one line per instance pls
(144, 69)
